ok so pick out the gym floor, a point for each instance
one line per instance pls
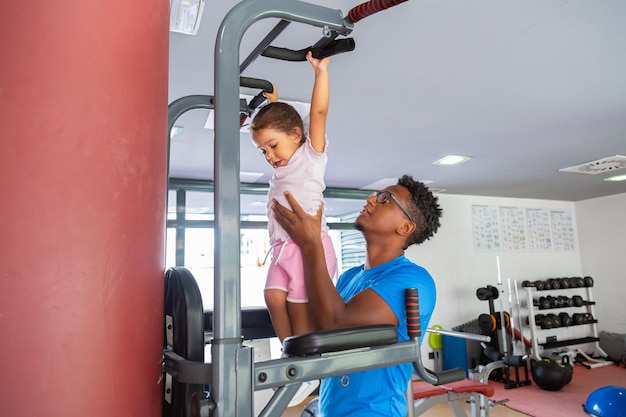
(439, 410)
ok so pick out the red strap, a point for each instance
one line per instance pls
(369, 8)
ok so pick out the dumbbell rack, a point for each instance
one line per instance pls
(587, 304)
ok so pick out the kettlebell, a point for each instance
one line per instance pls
(550, 375)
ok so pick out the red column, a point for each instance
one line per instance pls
(83, 108)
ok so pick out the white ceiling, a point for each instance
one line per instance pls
(523, 87)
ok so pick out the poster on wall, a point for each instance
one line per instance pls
(562, 230)
(513, 229)
(538, 226)
(486, 228)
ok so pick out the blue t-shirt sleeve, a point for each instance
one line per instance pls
(391, 288)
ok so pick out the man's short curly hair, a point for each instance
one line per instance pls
(424, 208)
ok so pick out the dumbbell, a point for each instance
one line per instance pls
(556, 320)
(545, 321)
(490, 322)
(578, 318)
(543, 303)
(564, 301)
(487, 293)
(566, 320)
(567, 301)
(578, 300)
(555, 302)
(588, 281)
(582, 318)
(554, 284)
(564, 282)
(540, 285)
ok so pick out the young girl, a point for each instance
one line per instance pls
(299, 163)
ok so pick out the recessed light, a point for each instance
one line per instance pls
(616, 178)
(452, 160)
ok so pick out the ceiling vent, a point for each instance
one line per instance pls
(601, 166)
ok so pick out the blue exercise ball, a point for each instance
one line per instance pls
(609, 401)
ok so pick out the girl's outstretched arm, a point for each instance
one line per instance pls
(319, 102)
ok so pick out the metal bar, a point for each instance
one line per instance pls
(531, 324)
(274, 373)
(519, 317)
(503, 348)
(181, 196)
(462, 335)
(269, 38)
(261, 189)
(512, 318)
(227, 291)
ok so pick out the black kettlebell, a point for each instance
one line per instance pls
(550, 375)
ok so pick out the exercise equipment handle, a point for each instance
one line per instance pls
(323, 48)
(256, 83)
(411, 298)
(326, 46)
(369, 8)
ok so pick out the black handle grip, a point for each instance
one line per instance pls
(337, 46)
(411, 300)
(333, 47)
(256, 83)
(257, 101)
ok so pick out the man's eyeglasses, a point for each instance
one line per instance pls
(383, 197)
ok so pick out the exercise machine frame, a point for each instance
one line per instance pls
(232, 371)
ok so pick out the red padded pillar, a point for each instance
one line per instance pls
(83, 108)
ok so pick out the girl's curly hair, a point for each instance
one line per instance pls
(280, 116)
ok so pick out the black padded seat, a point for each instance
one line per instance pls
(335, 340)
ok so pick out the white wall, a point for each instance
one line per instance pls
(459, 269)
(602, 236)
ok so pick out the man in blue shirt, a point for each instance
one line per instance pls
(391, 220)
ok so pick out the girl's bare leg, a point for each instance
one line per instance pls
(276, 301)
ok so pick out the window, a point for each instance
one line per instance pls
(190, 236)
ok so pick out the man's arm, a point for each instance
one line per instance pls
(327, 306)
(319, 102)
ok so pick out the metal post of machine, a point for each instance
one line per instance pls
(230, 380)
